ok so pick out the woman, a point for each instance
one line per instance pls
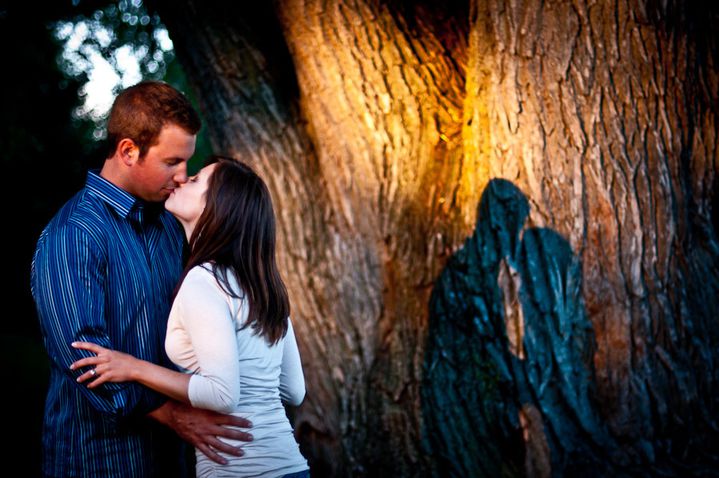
(229, 325)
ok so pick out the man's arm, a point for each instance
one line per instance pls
(68, 285)
(197, 426)
(202, 428)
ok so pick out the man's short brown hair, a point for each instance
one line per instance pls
(140, 112)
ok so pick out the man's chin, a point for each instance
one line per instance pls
(163, 195)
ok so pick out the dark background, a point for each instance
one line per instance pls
(46, 151)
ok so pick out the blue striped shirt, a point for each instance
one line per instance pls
(104, 271)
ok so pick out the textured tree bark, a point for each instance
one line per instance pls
(577, 328)
(365, 170)
(603, 115)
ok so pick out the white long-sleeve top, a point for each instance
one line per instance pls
(236, 371)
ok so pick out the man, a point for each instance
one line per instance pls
(104, 271)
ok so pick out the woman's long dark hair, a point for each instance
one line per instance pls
(236, 234)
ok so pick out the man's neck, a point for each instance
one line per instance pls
(112, 173)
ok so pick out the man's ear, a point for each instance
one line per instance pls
(128, 151)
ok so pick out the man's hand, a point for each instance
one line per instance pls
(202, 428)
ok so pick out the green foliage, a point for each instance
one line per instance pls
(108, 46)
(122, 43)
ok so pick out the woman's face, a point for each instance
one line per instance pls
(187, 201)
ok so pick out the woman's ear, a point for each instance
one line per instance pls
(128, 151)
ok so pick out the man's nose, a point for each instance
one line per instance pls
(181, 174)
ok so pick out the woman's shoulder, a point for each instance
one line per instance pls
(206, 269)
(208, 274)
(201, 275)
(202, 272)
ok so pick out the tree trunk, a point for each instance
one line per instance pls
(576, 328)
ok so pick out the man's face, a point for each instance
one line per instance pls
(164, 167)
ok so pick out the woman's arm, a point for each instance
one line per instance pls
(113, 366)
(202, 428)
(203, 309)
(204, 312)
(292, 380)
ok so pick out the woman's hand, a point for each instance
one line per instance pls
(107, 365)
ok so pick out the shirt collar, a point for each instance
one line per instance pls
(125, 204)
